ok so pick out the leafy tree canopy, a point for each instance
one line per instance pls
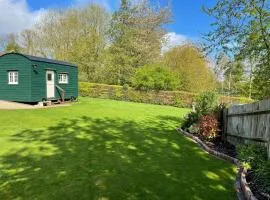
(242, 29)
(155, 77)
(191, 66)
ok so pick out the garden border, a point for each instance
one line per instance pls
(242, 189)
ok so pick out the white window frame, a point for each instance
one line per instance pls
(63, 78)
(13, 77)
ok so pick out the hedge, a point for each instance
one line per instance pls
(172, 98)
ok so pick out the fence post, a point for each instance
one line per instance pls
(224, 123)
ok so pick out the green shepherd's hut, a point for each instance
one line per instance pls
(25, 78)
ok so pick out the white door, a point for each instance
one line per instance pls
(50, 84)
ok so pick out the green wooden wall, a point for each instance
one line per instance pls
(39, 88)
(22, 91)
(32, 80)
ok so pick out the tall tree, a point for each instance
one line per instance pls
(242, 28)
(28, 41)
(230, 74)
(89, 48)
(136, 35)
(192, 68)
(76, 34)
(234, 75)
(221, 65)
(10, 44)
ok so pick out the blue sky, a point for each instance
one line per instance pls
(189, 20)
(188, 17)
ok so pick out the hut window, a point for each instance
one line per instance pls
(13, 77)
(49, 77)
(63, 78)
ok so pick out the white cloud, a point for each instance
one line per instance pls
(15, 16)
(173, 39)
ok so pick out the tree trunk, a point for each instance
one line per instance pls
(230, 77)
(250, 78)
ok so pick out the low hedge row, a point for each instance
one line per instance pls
(172, 98)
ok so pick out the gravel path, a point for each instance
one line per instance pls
(8, 105)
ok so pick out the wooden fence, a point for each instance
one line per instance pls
(248, 123)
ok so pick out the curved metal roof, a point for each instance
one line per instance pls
(40, 59)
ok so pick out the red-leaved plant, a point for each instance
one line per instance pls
(208, 126)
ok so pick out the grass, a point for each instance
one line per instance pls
(103, 149)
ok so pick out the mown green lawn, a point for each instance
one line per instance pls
(103, 149)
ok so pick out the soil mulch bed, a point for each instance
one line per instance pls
(221, 146)
(254, 188)
(230, 150)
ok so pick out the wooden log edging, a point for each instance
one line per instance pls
(241, 186)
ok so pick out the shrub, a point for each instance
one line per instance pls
(189, 120)
(125, 86)
(208, 126)
(252, 154)
(254, 157)
(126, 93)
(206, 102)
(155, 77)
(262, 177)
(194, 129)
(235, 100)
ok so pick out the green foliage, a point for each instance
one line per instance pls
(241, 29)
(178, 101)
(136, 33)
(190, 65)
(85, 89)
(255, 158)
(262, 177)
(261, 81)
(173, 98)
(234, 100)
(234, 77)
(252, 154)
(10, 44)
(108, 48)
(208, 126)
(154, 77)
(125, 93)
(88, 50)
(190, 119)
(12, 47)
(206, 102)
